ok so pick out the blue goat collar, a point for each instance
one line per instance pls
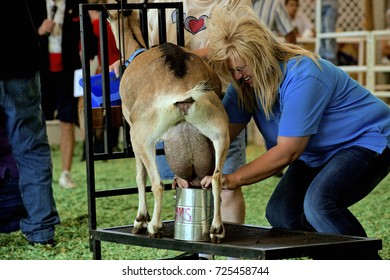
(133, 55)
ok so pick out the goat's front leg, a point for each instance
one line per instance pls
(142, 218)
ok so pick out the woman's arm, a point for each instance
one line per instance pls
(274, 160)
(235, 129)
(203, 53)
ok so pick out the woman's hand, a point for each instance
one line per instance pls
(46, 27)
(115, 67)
(229, 182)
(179, 182)
(183, 183)
(206, 182)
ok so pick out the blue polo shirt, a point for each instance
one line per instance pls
(326, 104)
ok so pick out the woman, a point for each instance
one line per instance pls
(12, 209)
(332, 133)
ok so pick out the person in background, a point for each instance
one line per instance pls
(385, 44)
(275, 17)
(331, 132)
(302, 24)
(112, 50)
(58, 25)
(12, 210)
(329, 14)
(22, 124)
(385, 52)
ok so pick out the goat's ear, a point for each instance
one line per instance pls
(112, 16)
(136, 28)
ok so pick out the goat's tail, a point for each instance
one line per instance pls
(201, 88)
(192, 96)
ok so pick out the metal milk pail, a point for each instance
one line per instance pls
(193, 214)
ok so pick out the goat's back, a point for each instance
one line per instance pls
(165, 69)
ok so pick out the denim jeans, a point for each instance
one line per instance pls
(328, 47)
(162, 164)
(317, 199)
(11, 205)
(26, 129)
(235, 159)
(237, 153)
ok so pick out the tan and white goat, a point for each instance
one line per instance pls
(170, 94)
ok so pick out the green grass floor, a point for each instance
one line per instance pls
(72, 235)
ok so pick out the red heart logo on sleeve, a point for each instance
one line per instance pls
(194, 25)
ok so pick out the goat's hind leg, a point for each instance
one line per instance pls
(217, 132)
(148, 157)
(142, 219)
(217, 229)
(210, 118)
(155, 225)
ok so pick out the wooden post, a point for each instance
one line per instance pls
(369, 15)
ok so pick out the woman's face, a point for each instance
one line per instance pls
(240, 71)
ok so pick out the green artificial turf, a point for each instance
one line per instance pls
(72, 235)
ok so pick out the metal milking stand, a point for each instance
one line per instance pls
(106, 113)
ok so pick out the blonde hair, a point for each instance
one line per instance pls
(239, 34)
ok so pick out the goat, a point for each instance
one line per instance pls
(170, 94)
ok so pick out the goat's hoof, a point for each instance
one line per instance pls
(141, 224)
(215, 238)
(155, 235)
(217, 234)
(138, 230)
(155, 231)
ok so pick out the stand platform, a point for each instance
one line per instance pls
(253, 242)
